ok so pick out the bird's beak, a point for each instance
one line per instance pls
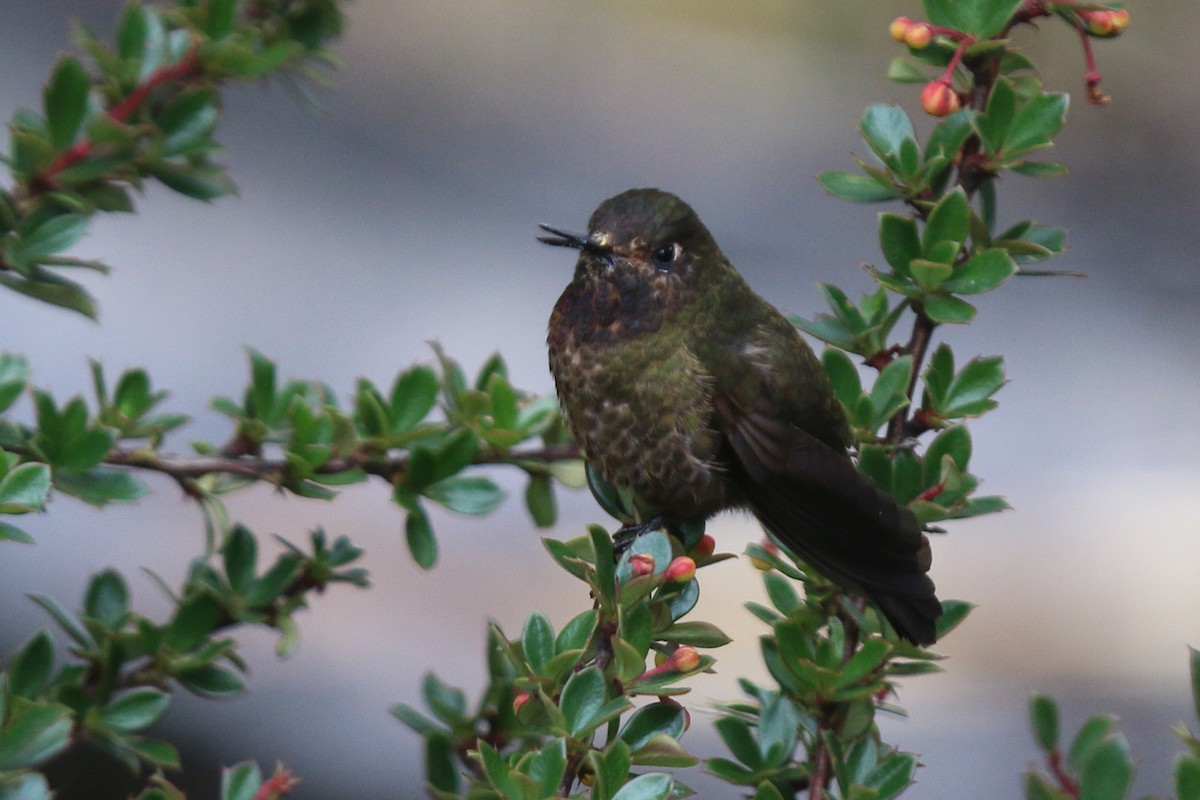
(588, 244)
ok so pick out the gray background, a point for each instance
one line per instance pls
(404, 209)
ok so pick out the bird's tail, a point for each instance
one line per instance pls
(817, 504)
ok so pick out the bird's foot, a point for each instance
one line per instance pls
(630, 533)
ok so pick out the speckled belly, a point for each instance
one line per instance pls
(643, 417)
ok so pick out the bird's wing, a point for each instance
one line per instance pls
(811, 497)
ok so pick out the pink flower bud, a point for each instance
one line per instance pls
(680, 570)
(641, 564)
(918, 36)
(520, 700)
(685, 658)
(939, 99)
(704, 548)
(899, 28)
(1104, 22)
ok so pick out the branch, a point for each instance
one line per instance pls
(185, 470)
(184, 69)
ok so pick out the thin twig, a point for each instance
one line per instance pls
(185, 470)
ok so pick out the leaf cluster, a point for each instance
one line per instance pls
(146, 107)
(421, 437)
(116, 677)
(553, 696)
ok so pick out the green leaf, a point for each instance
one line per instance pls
(441, 768)
(466, 494)
(886, 128)
(539, 499)
(651, 786)
(1038, 787)
(993, 125)
(576, 633)
(65, 101)
(986, 18)
(100, 486)
(66, 620)
(54, 235)
(1194, 664)
(27, 786)
(548, 766)
(11, 533)
(767, 791)
(160, 754)
(982, 272)
(899, 240)
(954, 441)
(210, 679)
(107, 599)
(736, 734)
(969, 394)
(890, 392)
(1187, 778)
(584, 705)
(14, 375)
(903, 70)
(446, 702)
(953, 613)
(843, 375)
(221, 17)
(136, 709)
(30, 668)
(195, 618)
(241, 781)
(1038, 169)
(944, 308)
(943, 13)
(418, 534)
(240, 555)
(1087, 740)
(777, 730)
(857, 188)
(949, 221)
(54, 290)
(538, 641)
(199, 181)
(665, 751)
(1044, 713)
(33, 733)
(698, 634)
(188, 121)
(1036, 123)
(653, 720)
(893, 775)
(24, 489)
(1108, 773)
(413, 396)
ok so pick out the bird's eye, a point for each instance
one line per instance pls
(665, 255)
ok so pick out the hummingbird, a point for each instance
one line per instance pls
(693, 394)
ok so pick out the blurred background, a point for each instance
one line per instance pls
(403, 209)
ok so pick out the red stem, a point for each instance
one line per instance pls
(1092, 78)
(184, 68)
